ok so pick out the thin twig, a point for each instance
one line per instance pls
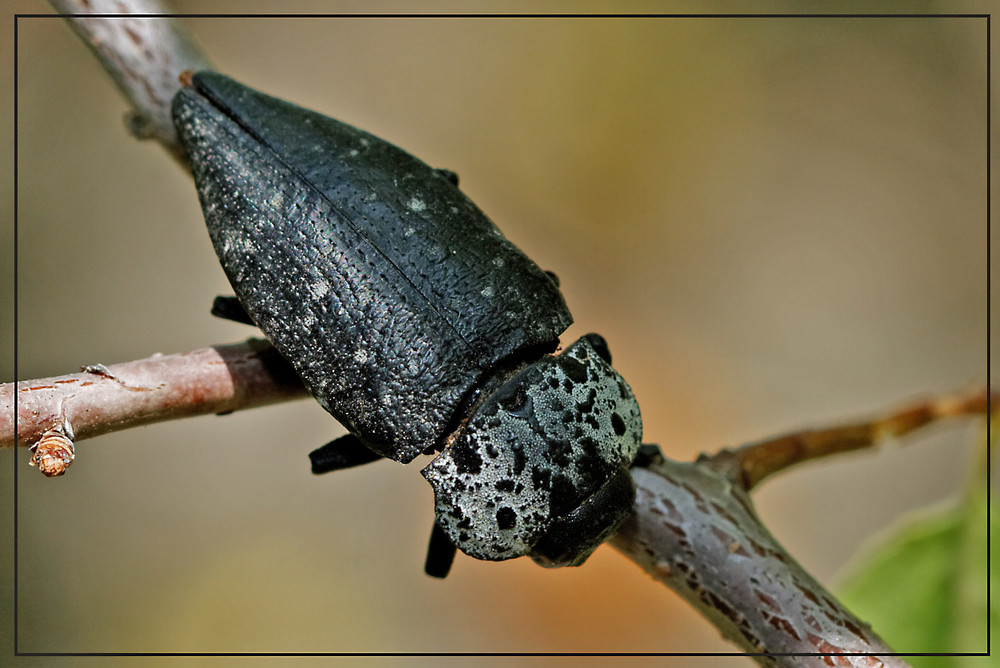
(144, 57)
(103, 399)
(750, 464)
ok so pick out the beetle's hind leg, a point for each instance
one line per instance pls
(229, 308)
(341, 453)
(440, 553)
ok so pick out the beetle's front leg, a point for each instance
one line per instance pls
(341, 453)
(229, 308)
(440, 553)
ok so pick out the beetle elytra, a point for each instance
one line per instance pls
(415, 323)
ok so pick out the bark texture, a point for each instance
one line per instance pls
(143, 55)
(697, 532)
(103, 399)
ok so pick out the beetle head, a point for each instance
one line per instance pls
(541, 468)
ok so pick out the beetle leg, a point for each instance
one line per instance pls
(440, 554)
(341, 453)
(552, 276)
(448, 174)
(230, 308)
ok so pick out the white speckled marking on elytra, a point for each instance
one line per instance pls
(487, 291)
(308, 318)
(234, 242)
(414, 366)
(319, 288)
(416, 204)
(361, 355)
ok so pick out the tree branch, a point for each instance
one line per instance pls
(103, 399)
(750, 464)
(697, 533)
(144, 57)
(694, 528)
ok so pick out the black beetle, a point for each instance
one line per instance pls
(415, 323)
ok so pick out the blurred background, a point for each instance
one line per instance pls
(776, 223)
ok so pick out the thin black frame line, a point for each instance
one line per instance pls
(495, 16)
(467, 15)
(401, 654)
(15, 202)
(989, 365)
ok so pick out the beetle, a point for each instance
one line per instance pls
(415, 323)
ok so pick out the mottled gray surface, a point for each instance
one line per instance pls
(533, 452)
(387, 289)
(700, 535)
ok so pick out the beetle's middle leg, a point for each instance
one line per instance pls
(341, 453)
(229, 308)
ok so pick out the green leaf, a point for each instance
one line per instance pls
(925, 588)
